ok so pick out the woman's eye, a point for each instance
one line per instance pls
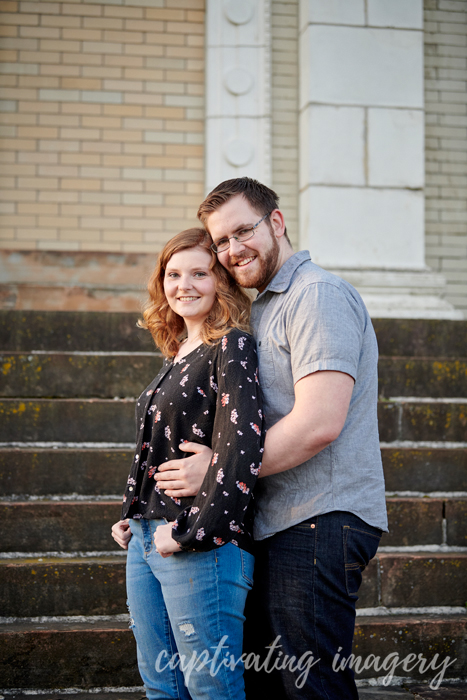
(200, 274)
(172, 275)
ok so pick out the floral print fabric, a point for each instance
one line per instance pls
(211, 397)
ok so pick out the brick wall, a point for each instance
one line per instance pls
(446, 143)
(102, 121)
(285, 71)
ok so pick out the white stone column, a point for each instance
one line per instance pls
(238, 100)
(362, 150)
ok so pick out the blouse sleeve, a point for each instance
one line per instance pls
(218, 511)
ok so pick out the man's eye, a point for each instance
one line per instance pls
(222, 242)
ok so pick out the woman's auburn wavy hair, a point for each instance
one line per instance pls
(231, 308)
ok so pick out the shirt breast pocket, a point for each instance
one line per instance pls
(266, 362)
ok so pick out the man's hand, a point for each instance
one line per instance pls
(165, 544)
(121, 533)
(183, 477)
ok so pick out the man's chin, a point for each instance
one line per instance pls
(244, 279)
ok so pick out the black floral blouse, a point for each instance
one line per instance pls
(211, 397)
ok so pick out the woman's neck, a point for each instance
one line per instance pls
(191, 342)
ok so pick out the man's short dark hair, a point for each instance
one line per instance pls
(261, 198)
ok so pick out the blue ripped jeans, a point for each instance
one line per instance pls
(303, 604)
(186, 609)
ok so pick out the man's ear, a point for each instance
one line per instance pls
(277, 222)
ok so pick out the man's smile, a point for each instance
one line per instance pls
(245, 261)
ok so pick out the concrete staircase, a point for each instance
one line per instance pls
(68, 382)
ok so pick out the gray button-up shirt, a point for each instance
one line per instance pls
(307, 320)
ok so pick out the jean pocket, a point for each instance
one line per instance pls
(266, 363)
(248, 564)
(359, 547)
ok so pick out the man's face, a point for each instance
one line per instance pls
(254, 262)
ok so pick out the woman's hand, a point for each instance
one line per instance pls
(183, 477)
(121, 533)
(165, 544)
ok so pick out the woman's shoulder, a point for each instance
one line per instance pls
(235, 345)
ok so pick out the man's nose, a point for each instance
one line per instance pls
(235, 246)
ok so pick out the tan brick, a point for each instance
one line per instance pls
(18, 144)
(185, 76)
(185, 28)
(125, 12)
(82, 9)
(10, 56)
(144, 148)
(21, 19)
(58, 196)
(58, 120)
(143, 98)
(59, 45)
(37, 208)
(123, 211)
(17, 220)
(57, 70)
(8, 31)
(9, 81)
(123, 135)
(17, 118)
(81, 84)
(120, 160)
(8, 6)
(100, 147)
(185, 52)
(165, 112)
(102, 122)
(39, 56)
(123, 110)
(143, 74)
(184, 150)
(82, 59)
(164, 162)
(195, 40)
(165, 39)
(37, 132)
(82, 34)
(164, 14)
(40, 32)
(79, 159)
(80, 133)
(78, 184)
(27, 161)
(60, 21)
(150, 49)
(83, 235)
(81, 108)
(124, 61)
(102, 23)
(41, 82)
(195, 17)
(101, 71)
(122, 186)
(101, 47)
(123, 236)
(143, 25)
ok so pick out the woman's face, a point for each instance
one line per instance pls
(190, 284)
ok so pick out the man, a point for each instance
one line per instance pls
(320, 500)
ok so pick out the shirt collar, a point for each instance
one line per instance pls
(282, 279)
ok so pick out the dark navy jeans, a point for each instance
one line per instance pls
(303, 604)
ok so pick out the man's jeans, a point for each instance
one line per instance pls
(306, 583)
(190, 603)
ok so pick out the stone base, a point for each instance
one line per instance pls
(402, 294)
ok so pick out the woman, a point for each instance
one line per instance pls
(186, 610)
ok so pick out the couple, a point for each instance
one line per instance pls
(319, 500)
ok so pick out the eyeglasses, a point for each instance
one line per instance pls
(244, 235)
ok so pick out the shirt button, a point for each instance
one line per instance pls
(131, 488)
(312, 526)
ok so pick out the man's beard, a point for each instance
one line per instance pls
(265, 267)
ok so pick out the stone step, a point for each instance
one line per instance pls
(414, 580)
(421, 338)
(86, 655)
(67, 331)
(67, 526)
(68, 375)
(421, 377)
(63, 375)
(107, 331)
(34, 587)
(54, 526)
(419, 421)
(55, 472)
(425, 469)
(67, 420)
(105, 420)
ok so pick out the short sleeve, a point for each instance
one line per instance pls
(325, 331)
(218, 512)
